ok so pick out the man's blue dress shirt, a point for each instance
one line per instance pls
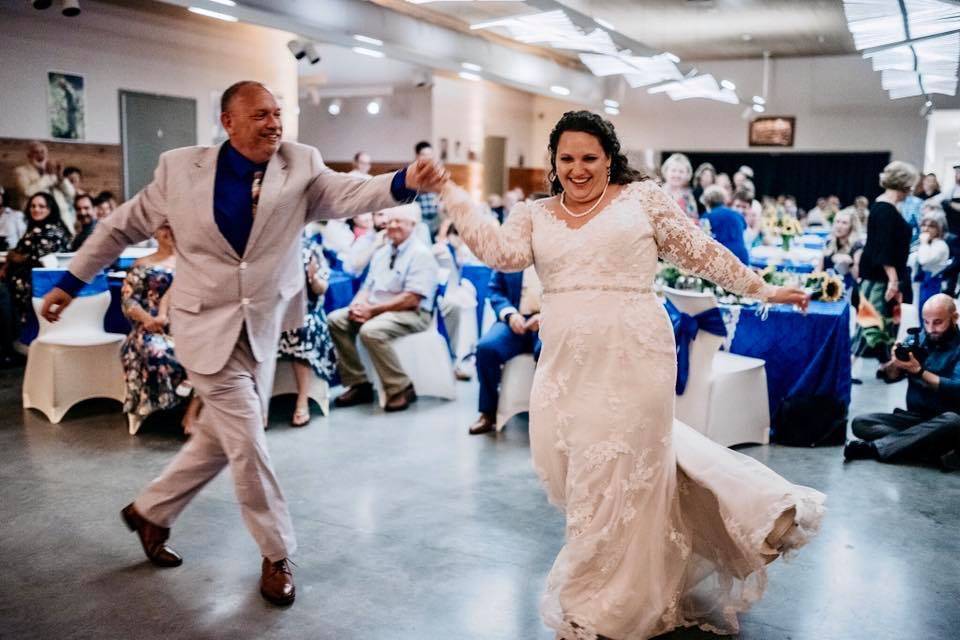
(233, 203)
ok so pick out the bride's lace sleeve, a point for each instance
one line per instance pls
(681, 242)
(505, 248)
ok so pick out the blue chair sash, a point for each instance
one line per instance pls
(685, 329)
(44, 280)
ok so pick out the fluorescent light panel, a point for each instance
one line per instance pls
(469, 66)
(212, 14)
(373, 53)
(226, 3)
(466, 75)
(560, 90)
(368, 40)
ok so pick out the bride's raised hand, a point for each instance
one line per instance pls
(791, 295)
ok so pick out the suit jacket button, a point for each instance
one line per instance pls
(245, 301)
(243, 265)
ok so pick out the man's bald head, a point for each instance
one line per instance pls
(939, 315)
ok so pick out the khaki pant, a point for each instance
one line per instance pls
(228, 432)
(376, 335)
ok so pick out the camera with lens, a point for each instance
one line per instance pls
(911, 346)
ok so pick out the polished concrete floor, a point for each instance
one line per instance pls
(409, 528)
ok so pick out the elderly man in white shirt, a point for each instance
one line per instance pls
(396, 299)
(40, 173)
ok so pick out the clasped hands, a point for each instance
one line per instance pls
(520, 325)
(426, 176)
(360, 311)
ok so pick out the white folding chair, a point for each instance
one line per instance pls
(515, 386)
(74, 359)
(424, 357)
(285, 383)
(726, 394)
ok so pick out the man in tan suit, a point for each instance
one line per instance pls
(238, 211)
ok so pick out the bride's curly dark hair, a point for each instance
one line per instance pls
(587, 122)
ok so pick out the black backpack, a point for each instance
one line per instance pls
(810, 421)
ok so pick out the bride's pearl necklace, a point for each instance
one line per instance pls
(588, 211)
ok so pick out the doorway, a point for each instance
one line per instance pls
(149, 125)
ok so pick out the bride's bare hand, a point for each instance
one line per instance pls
(791, 295)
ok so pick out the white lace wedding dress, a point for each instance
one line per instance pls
(664, 528)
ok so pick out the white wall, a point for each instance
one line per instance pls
(404, 120)
(165, 51)
(837, 101)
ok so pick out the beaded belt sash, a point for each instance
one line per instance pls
(598, 287)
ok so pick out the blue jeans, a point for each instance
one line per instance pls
(498, 345)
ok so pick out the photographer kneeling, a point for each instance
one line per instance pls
(929, 430)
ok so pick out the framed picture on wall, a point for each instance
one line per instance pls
(65, 105)
(772, 131)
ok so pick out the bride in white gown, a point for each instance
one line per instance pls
(664, 528)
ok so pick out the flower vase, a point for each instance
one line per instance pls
(785, 242)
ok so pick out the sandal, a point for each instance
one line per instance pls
(301, 417)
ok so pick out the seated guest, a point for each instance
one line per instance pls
(46, 233)
(515, 298)
(753, 234)
(8, 331)
(361, 225)
(861, 205)
(928, 187)
(726, 225)
(705, 176)
(310, 346)
(933, 255)
(820, 215)
(41, 174)
(13, 224)
(843, 248)
(150, 367)
(742, 201)
(105, 203)
(86, 220)
(75, 176)
(357, 258)
(452, 253)
(929, 429)
(396, 299)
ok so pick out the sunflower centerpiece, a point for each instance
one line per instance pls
(824, 286)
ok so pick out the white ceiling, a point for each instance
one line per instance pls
(696, 29)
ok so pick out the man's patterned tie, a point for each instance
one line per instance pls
(255, 190)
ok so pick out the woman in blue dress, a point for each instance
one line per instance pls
(310, 347)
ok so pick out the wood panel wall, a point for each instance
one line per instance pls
(101, 164)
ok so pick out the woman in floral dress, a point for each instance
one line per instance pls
(46, 233)
(664, 528)
(150, 366)
(310, 347)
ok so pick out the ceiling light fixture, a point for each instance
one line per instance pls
(603, 23)
(726, 84)
(334, 107)
(226, 3)
(560, 90)
(212, 14)
(759, 100)
(759, 108)
(469, 66)
(613, 111)
(373, 53)
(373, 107)
(367, 40)
(466, 75)
(613, 104)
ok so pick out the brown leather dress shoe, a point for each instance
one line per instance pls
(484, 424)
(152, 537)
(357, 394)
(276, 582)
(402, 400)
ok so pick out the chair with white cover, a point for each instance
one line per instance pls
(74, 359)
(909, 319)
(726, 394)
(515, 386)
(285, 383)
(424, 357)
